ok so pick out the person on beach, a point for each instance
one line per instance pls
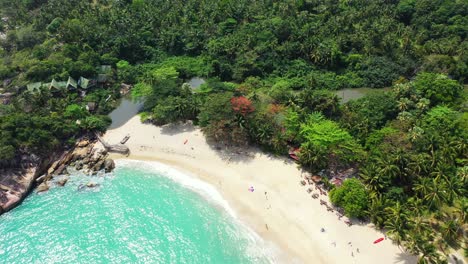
(357, 249)
(322, 230)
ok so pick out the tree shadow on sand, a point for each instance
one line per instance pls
(177, 128)
(231, 153)
(406, 258)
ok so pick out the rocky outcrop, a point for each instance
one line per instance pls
(109, 165)
(16, 183)
(62, 181)
(43, 187)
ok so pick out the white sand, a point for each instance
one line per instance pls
(286, 216)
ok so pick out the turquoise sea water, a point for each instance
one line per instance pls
(135, 215)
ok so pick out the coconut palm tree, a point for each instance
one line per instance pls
(418, 164)
(404, 104)
(396, 224)
(376, 211)
(450, 228)
(461, 209)
(436, 193)
(454, 187)
(423, 104)
(374, 182)
(415, 133)
(387, 168)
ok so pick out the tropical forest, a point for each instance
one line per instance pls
(272, 72)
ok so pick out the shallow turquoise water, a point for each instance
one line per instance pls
(134, 216)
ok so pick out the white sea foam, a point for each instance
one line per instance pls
(183, 178)
(261, 249)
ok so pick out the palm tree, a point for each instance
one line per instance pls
(423, 104)
(418, 164)
(388, 169)
(436, 195)
(449, 229)
(461, 209)
(404, 104)
(416, 206)
(461, 146)
(376, 211)
(372, 179)
(396, 223)
(454, 187)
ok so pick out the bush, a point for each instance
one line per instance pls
(379, 72)
(352, 197)
(438, 88)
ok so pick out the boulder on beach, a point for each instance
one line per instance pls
(43, 187)
(83, 143)
(109, 165)
(79, 165)
(63, 181)
(98, 166)
(91, 184)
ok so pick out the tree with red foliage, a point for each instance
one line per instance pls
(242, 105)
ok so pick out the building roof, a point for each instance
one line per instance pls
(71, 83)
(102, 78)
(57, 85)
(85, 83)
(34, 87)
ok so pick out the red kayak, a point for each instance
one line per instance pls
(378, 240)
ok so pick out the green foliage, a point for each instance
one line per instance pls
(217, 107)
(54, 25)
(74, 112)
(438, 88)
(174, 109)
(352, 197)
(188, 66)
(96, 123)
(366, 114)
(126, 72)
(379, 72)
(322, 101)
(322, 136)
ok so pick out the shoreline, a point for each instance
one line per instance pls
(208, 193)
(280, 210)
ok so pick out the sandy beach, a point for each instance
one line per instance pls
(279, 209)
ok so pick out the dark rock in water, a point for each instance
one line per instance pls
(109, 165)
(62, 182)
(92, 185)
(43, 187)
(79, 165)
(61, 169)
(98, 166)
